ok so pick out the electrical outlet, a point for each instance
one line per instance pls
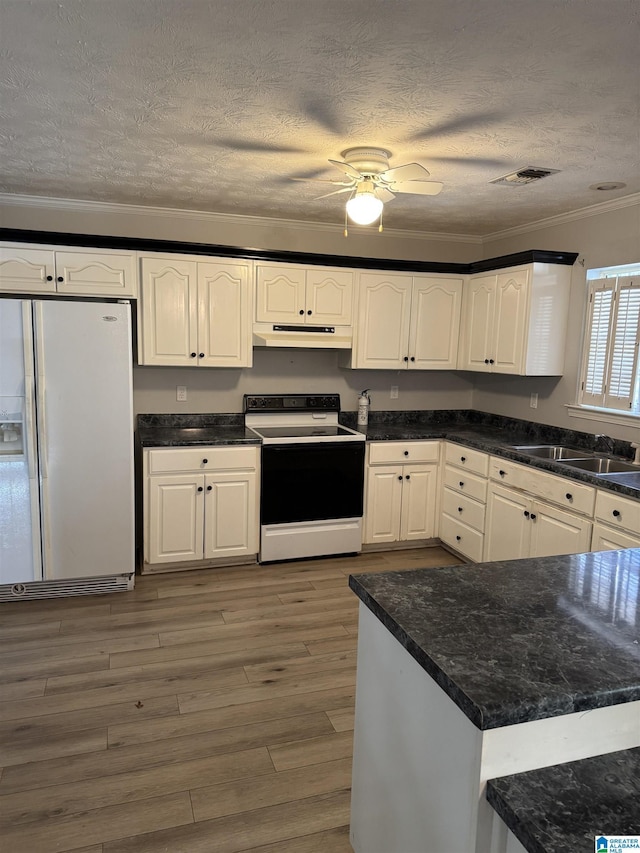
(394, 392)
(181, 393)
(533, 402)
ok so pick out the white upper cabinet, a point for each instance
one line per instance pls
(407, 321)
(435, 323)
(292, 295)
(515, 321)
(81, 273)
(168, 290)
(224, 312)
(196, 313)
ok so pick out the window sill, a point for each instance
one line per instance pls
(608, 416)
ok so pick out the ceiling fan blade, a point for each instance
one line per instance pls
(417, 187)
(345, 167)
(322, 181)
(455, 125)
(409, 172)
(335, 192)
(384, 194)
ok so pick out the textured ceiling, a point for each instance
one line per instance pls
(215, 105)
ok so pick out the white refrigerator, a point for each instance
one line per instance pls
(66, 448)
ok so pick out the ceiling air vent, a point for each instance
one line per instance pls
(528, 175)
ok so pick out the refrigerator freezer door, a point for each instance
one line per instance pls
(85, 411)
(20, 557)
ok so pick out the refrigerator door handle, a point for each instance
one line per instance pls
(29, 422)
(29, 398)
(41, 388)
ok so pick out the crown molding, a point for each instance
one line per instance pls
(563, 218)
(104, 207)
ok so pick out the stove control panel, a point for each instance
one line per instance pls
(284, 403)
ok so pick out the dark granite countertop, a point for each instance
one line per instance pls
(563, 809)
(488, 433)
(195, 436)
(498, 442)
(193, 430)
(519, 640)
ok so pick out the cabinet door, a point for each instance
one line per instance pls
(224, 314)
(383, 321)
(435, 323)
(554, 531)
(329, 297)
(478, 311)
(510, 326)
(280, 294)
(176, 518)
(383, 504)
(231, 516)
(608, 539)
(508, 528)
(96, 273)
(169, 312)
(27, 270)
(418, 502)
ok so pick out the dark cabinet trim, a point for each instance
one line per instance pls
(139, 244)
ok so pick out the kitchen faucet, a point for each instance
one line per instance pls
(606, 441)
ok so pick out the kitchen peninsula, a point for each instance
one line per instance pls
(469, 673)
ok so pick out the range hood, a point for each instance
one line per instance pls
(303, 337)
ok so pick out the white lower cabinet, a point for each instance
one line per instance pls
(401, 491)
(520, 526)
(464, 494)
(531, 513)
(617, 522)
(200, 504)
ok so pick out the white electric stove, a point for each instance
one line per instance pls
(312, 476)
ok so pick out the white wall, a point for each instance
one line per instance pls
(603, 239)
(278, 371)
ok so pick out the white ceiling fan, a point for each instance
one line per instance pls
(371, 182)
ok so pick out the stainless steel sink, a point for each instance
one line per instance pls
(598, 465)
(555, 452)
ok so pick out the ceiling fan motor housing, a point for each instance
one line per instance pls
(368, 161)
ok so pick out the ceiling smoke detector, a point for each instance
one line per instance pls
(528, 175)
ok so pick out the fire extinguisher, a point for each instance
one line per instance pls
(364, 401)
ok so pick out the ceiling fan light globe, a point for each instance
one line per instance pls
(364, 208)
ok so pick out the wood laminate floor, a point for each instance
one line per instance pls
(203, 712)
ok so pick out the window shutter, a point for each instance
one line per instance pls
(596, 356)
(623, 360)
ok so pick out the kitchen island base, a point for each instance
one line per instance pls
(420, 765)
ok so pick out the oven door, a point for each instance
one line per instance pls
(311, 482)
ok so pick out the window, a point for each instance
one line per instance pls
(611, 371)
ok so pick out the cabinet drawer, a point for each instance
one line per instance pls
(465, 540)
(388, 452)
(609, 539)
(463, 508)
(571, 494)
(620, 513)
(470, 460)
(163, 461)
(466, 483)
